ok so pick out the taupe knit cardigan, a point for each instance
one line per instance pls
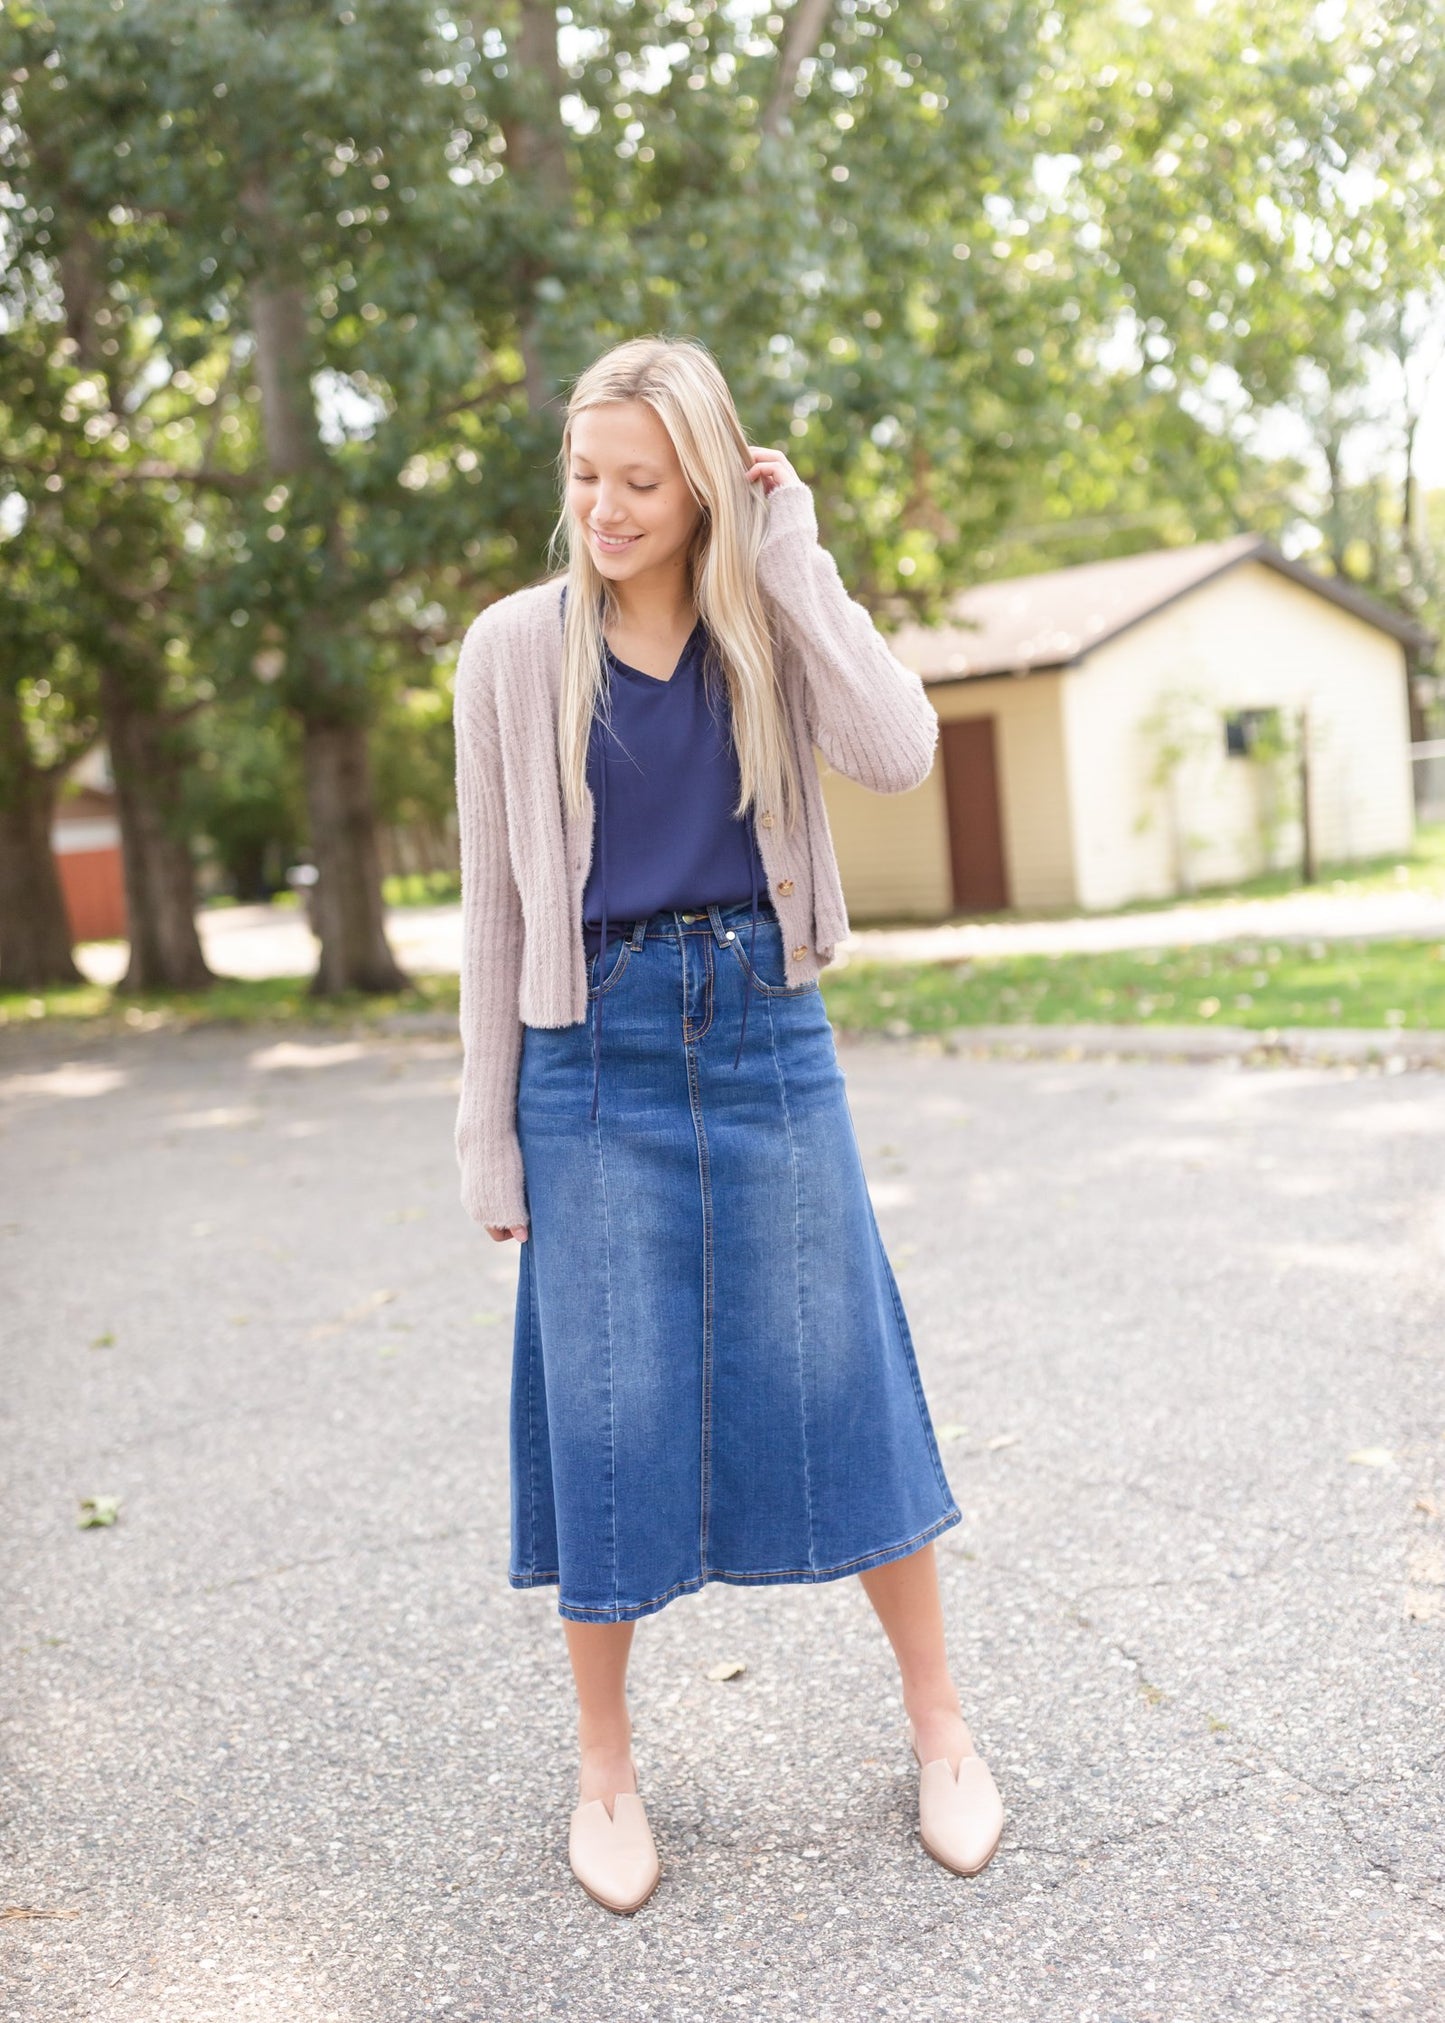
(525, 862)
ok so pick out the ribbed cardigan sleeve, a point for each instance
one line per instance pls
(488, 1153)
(868, 714)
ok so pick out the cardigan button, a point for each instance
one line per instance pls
(766, 818)
(785, 885)
(801, 949)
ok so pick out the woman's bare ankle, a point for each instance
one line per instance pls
(605, 1763)
(940, 1730)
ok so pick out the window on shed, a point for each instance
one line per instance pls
(1244, 727)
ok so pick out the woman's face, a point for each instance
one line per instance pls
(624, 480)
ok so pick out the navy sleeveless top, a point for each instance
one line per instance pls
(664, 778)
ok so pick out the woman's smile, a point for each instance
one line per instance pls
(614, 544)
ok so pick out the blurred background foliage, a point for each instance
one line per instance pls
(291, 295)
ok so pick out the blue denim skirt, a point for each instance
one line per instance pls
(713, 1377)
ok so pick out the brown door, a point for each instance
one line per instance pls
(975, 825)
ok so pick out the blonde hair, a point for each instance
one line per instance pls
(681, 382)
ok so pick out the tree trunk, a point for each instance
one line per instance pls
(536, 157)
(346, 909)
(147, 759)
(1334, 507)
(146, 756)
(346, 903)
(34, 931)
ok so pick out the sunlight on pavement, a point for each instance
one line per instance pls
(73, 1079)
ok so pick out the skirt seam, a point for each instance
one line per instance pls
(798, 1256)
(704, 1174)
(611, 1371)
(532, 1354)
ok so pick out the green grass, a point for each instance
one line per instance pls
(217, 902)
(1422, 870)
(230, 1001)
(422, 888)
(1256, 983)
(1250, 982)
(411, 888)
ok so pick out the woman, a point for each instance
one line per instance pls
(713, 1377)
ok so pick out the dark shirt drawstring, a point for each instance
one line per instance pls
(602, 950)
(752, 935)
(597, 725)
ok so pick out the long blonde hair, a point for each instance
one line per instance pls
(681, 382)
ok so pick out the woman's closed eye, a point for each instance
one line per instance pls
(582, 478)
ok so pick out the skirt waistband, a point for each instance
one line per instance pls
(670, 924)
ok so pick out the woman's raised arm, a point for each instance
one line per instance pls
(868, 714)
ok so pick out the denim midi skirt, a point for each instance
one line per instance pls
(713, 1377)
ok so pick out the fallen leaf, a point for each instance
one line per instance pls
(1373, 1457)
(1003, 1440)
(1426, 1564)
(362, 1308)
(105, 1341)
(98, 1510)
(368, 1305)
(952, 1431)
(730, 1668)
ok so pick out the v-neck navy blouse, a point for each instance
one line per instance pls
(664, 777)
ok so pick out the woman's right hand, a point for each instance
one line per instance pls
(500, 1235)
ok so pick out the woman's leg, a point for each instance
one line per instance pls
(599, 1653)
(905, 1595)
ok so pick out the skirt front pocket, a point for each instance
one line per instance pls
(767, 968)
(597, 965)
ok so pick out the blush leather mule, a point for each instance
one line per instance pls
(960, 1816)
(614, 1856)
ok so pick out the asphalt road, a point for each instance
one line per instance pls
(282, 1744)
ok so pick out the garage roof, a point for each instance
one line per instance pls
(1026, 624)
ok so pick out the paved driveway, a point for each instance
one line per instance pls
(283, 1745)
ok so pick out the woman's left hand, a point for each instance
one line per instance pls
(773, 468)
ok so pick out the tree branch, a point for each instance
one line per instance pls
(801, 36)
